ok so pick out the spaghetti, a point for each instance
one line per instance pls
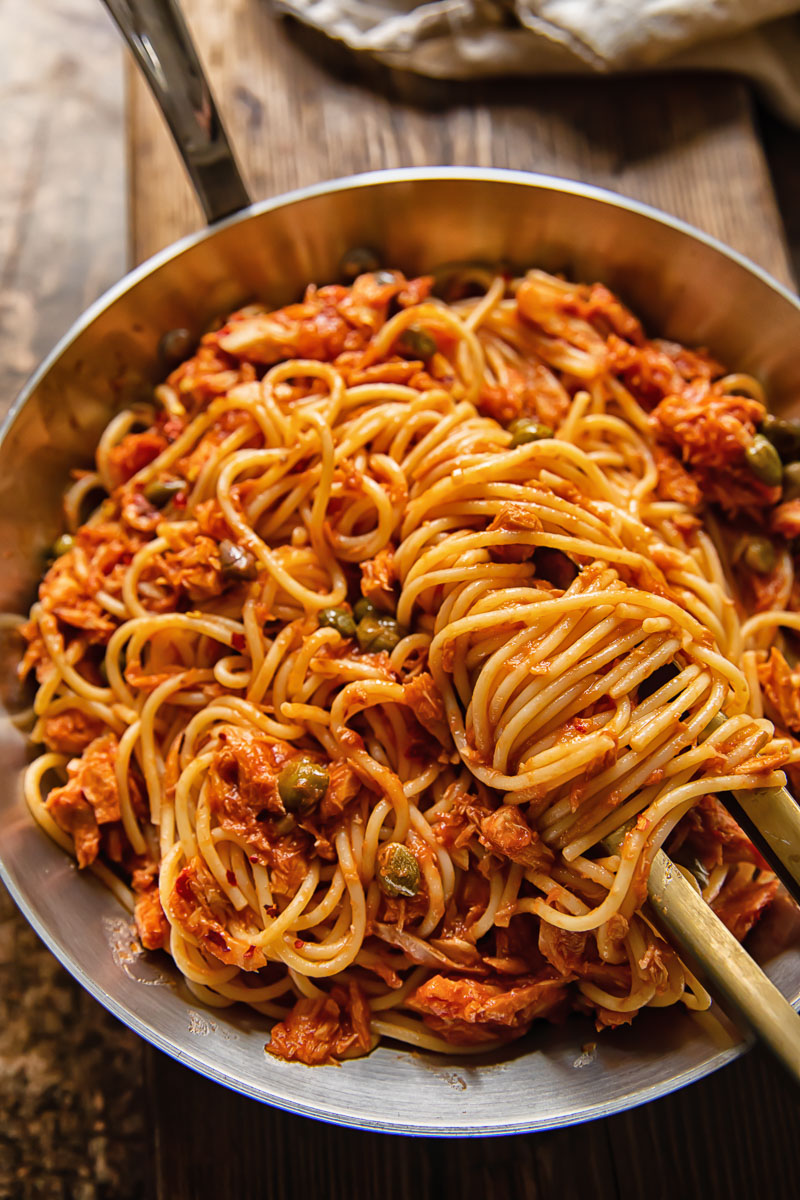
(392, 607)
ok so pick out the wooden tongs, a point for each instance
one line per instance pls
(771, 817)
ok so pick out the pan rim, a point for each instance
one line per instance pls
(385, 1124)
(201, 1062)
(371, 179)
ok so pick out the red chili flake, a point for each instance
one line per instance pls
(298, 945)
(181, 500)
(272, 911)
(254, 858)
(250, 951)
(217, 939)
(183, 887)
(239, 641)
(231, 878)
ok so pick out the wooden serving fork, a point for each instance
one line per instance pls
(772, 817)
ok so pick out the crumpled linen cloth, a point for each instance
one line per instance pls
(462, 39)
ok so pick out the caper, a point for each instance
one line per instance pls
(759, 555)
(764, 461)
(364, 608)
(791, 481)
(398, 871)
(340, 619)
(526, 429)
(416, 343)
(175, 346)
(301, 785)
(63, 544)
(159, 492)
(784, 434)
(359, 261)
(236, 562)
(378, 633)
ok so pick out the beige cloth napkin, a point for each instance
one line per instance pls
(460, 39)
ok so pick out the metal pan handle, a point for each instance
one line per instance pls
(162, 45)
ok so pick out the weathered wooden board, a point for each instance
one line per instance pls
(688, 146)
(71, 1097)
(70, 1093)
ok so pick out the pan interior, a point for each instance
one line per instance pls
(684, 286)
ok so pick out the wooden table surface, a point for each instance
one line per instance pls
(298, 113)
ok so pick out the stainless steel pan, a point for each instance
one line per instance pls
(686, 285)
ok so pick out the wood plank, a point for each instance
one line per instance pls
(266, 1154)
(62, 216)
(247, 1150)
(300, 112)
(732, 1135)
(687, 146)
(71, 1093)
(735, 1134)
(782, 147)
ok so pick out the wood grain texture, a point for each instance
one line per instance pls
(732, 1136)
(62, 213)
(299, 112)
(71, 1094)
(781, 144)
(687, 146)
